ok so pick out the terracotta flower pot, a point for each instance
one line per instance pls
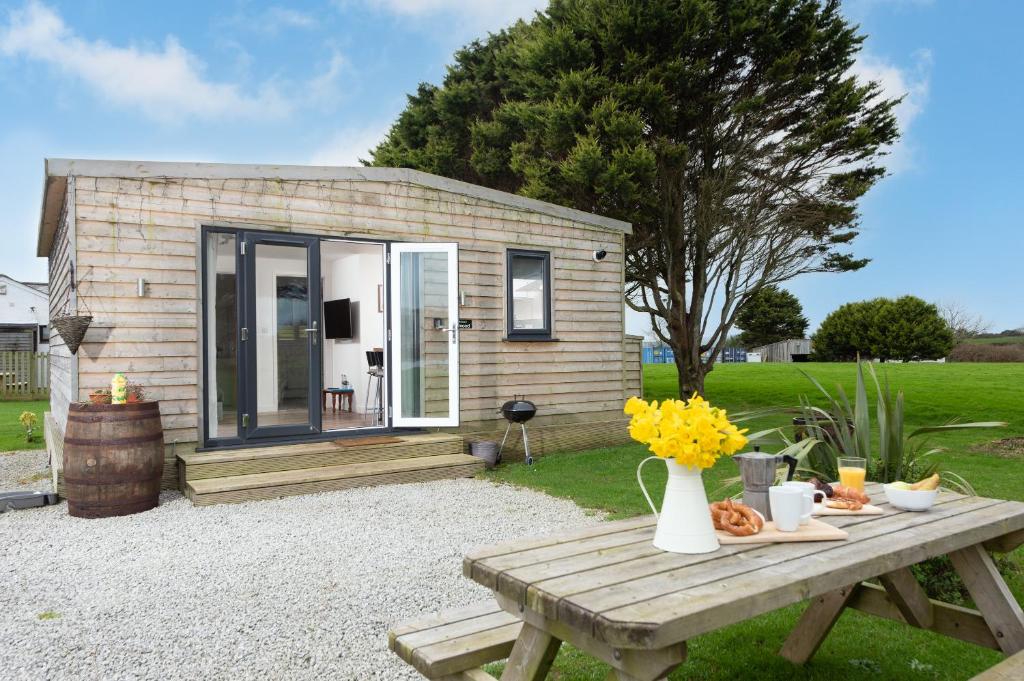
(99, 398)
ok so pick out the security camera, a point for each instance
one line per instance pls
(600, 255)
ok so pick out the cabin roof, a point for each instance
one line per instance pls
(58, 170)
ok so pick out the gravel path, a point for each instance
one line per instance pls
(30, 466)
(295, 588)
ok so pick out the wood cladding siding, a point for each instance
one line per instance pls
(150, 228)
(62, 300)
(632, 368)
(548, 439)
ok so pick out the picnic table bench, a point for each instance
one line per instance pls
(606, 590)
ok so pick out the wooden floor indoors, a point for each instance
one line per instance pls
(331, 419)
(284, 470)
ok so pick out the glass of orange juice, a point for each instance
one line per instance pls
(852, 470)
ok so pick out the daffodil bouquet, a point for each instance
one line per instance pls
(690, 431)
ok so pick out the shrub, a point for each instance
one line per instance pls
(843, 428)
(28, 422)
(941, 581)
(987, 352)
(906, 328)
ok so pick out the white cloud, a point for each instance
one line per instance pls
(479, 14)
(324, 88)
(290, 17)
(348, 145)
(910, 83)
(272, 20)
(166, 84)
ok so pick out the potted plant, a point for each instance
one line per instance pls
(28, 422)
(100, 396)
(136, 393)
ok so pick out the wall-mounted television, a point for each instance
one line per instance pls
(338, 319)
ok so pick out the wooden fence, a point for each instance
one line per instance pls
(24, 375)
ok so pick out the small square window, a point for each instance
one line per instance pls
(529, 295)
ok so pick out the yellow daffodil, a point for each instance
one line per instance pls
(690, 431)
(634, 405)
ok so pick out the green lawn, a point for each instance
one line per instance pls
(999, 340)
(860, 647)
(12, 435)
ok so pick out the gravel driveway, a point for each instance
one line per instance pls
(295, 588)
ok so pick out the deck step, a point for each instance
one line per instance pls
(205, 465)
(270, 485)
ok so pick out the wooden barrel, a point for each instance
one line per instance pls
(113, 458)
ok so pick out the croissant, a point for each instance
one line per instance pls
(844, 492)
(845, 504)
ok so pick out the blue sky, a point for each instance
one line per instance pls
(320, 82)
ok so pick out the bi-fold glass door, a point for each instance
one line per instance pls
(263, 335)
(281, 334)
(425, 334)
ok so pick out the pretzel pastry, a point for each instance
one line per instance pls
(735, 518)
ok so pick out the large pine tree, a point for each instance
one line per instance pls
(731, 133)
(770, 315)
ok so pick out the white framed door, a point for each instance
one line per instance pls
(425, 334)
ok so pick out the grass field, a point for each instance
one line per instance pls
(12, 435)
(860, 647)
(999, 340)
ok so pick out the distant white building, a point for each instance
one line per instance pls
(24, 315)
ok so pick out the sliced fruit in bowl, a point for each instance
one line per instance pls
(928, 483)
(919, 496)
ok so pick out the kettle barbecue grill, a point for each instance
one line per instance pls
(518, 410)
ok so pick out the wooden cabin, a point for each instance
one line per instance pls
(314, 328)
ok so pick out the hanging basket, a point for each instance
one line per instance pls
(72, 329)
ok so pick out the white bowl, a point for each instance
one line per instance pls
(911, 499)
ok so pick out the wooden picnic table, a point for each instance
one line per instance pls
(607, 591)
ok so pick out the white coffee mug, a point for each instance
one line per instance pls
(808, 489)
(787, 506)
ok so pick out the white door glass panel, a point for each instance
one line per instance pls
(282, 319)
(425, 334)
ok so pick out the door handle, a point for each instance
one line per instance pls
(313, 330)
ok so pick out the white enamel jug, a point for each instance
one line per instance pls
(684, 523)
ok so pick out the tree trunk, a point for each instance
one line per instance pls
(690, 374)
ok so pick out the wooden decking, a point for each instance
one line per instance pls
(271, 472)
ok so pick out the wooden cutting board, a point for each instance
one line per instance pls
(868, 509)
(815, 530)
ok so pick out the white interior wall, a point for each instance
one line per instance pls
(354, 271)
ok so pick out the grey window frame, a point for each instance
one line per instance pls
(528, 334)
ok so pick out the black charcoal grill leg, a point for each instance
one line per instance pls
(498, 459)
(526, 445)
